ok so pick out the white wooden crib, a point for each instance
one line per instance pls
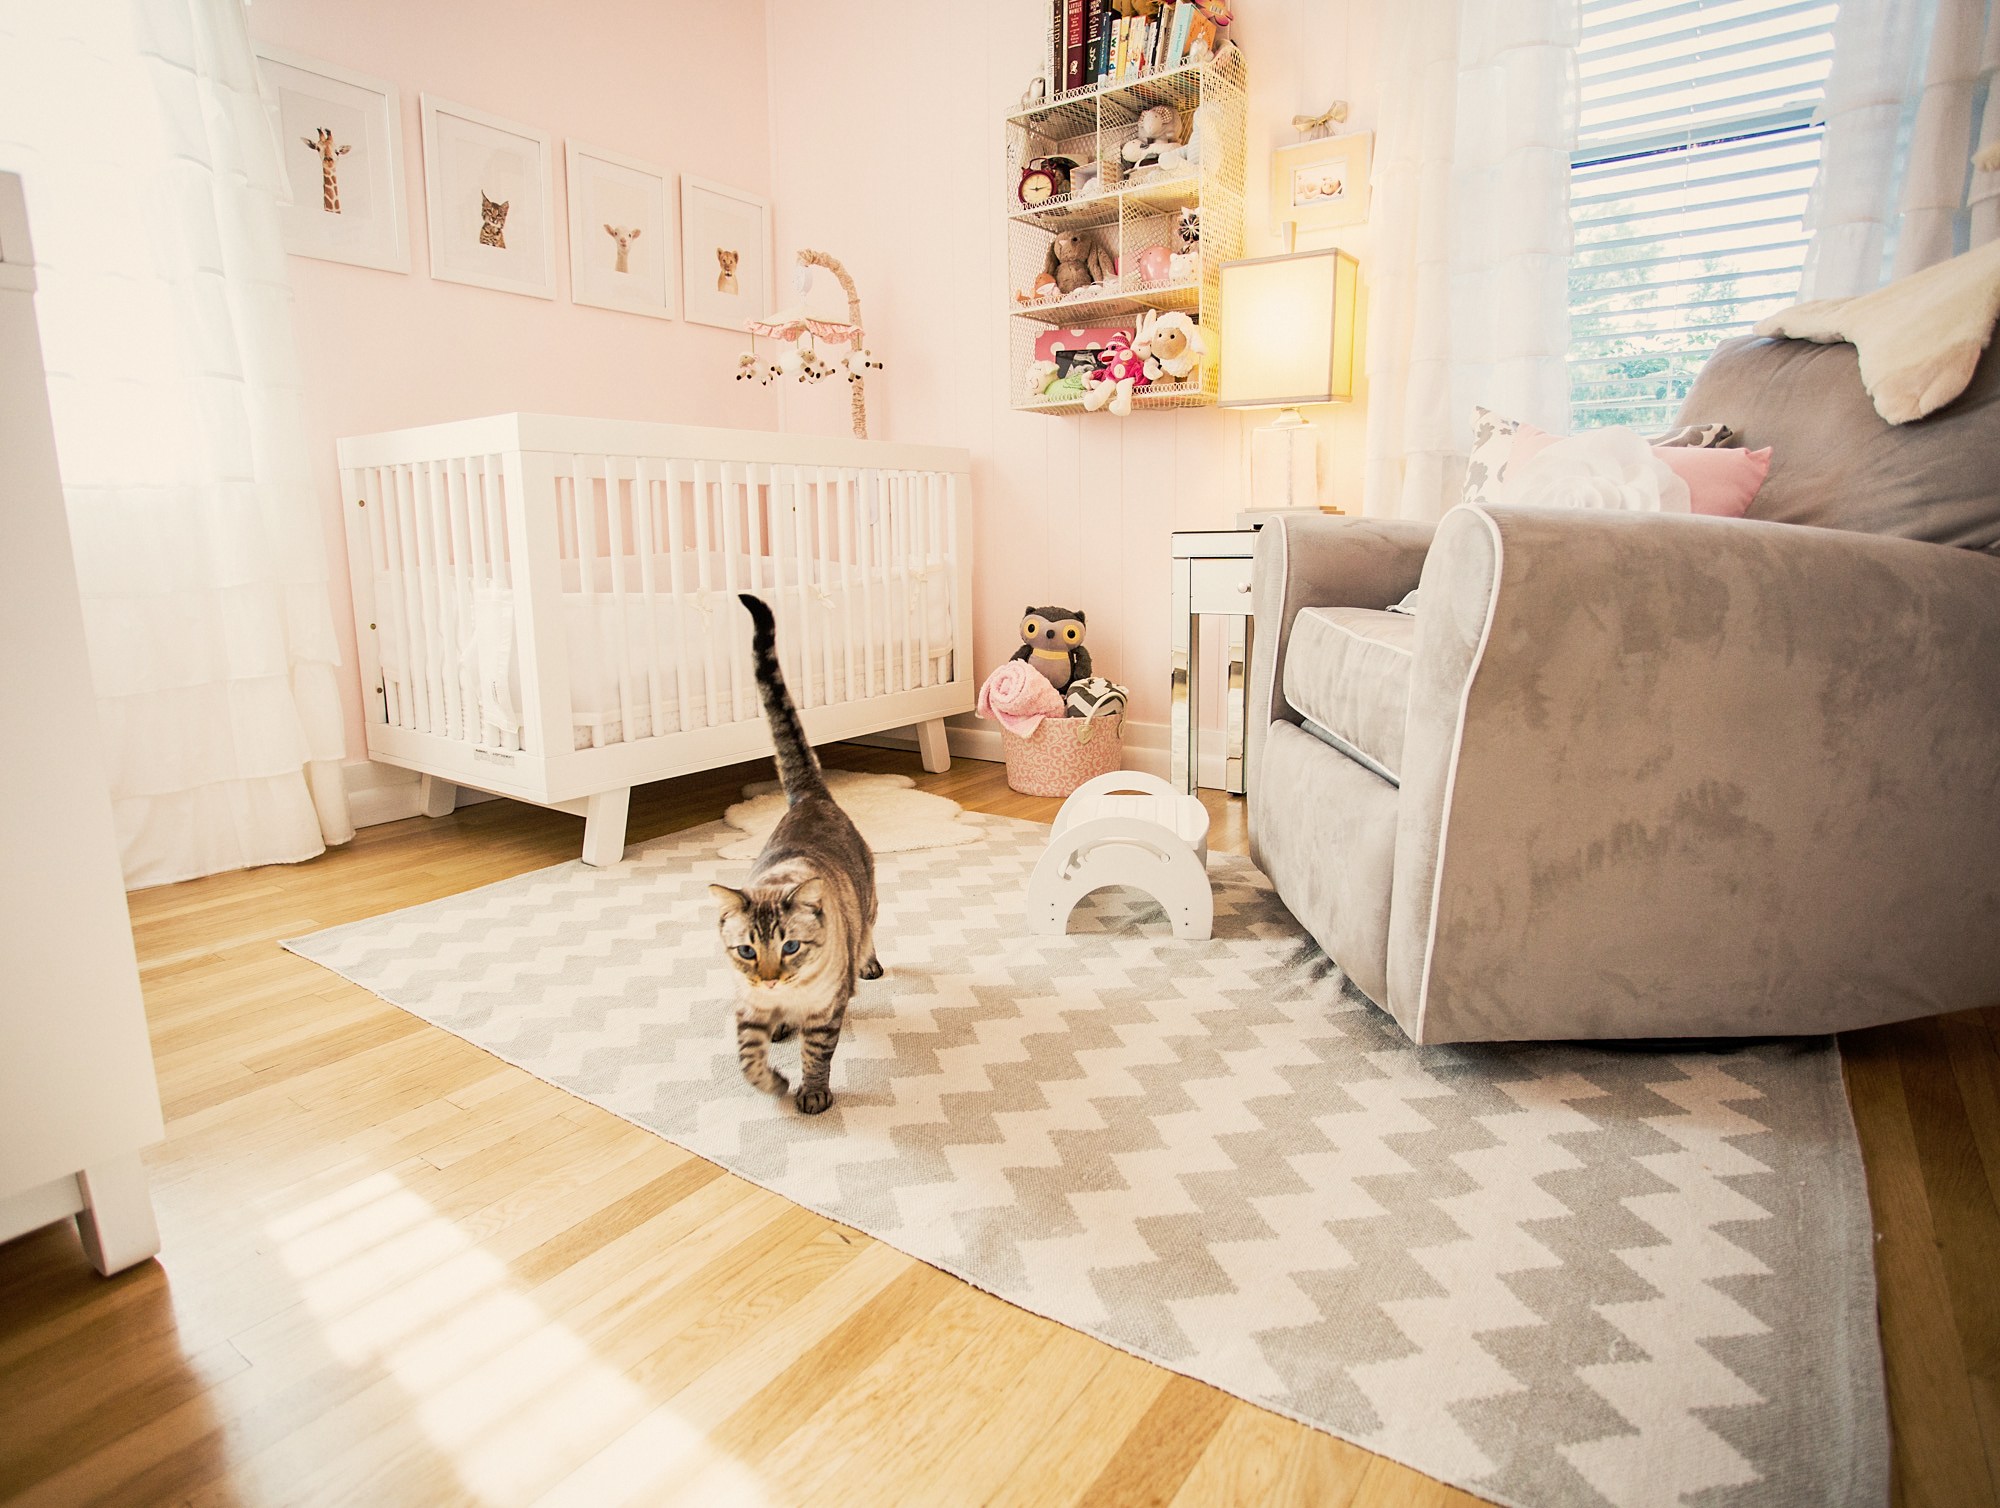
(546, 607)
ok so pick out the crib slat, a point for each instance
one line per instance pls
(438, 501)
(843, 502)
(867, 513)
(643, 541)
(788, 553)
(730, 492)
(904, 544)
(418, 646)
(479, 569)
(958, 582)
(822, 554)
(501, 579)
(707, 498)
(920, 483)
(615, 541)
(464, 582)
(678, 476)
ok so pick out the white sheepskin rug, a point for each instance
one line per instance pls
(893, 815)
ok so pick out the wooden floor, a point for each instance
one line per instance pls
(400, 1272)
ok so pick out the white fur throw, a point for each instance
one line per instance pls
(1918, 339)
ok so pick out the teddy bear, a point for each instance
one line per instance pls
(1120, 371)
(1052, 642)
(1171, 346)
(1077, 259)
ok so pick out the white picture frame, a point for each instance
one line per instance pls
(1322, 184)
(621, 231)
(347, 201)
(471, 159)
(719, 223)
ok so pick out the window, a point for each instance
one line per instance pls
(1697, 145)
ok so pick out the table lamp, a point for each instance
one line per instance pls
(1287, 340)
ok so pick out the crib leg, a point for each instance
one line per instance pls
(116, 1221)
(932, 746)
(604, 826)
(435, 797)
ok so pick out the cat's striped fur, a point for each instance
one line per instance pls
(801, 931)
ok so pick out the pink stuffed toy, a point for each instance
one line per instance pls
(1120, 372)
(1020, 696)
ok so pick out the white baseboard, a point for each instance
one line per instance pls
(1147, 746)
(378, 793)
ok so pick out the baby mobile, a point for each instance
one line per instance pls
(804, 334)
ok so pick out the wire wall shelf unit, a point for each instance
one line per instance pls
(1129, 213)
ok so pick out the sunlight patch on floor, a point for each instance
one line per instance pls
(509, 1396)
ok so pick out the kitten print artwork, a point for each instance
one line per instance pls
(623, 240)
(725, 280)
(492, 222)
(801, 930)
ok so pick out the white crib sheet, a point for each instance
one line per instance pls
(876, 620)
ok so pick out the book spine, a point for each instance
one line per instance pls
(1093, 39)
(1183, 24)
(1118, 50)
(1073, 47)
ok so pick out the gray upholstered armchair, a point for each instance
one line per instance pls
(1633, 775)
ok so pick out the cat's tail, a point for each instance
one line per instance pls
(798, 768)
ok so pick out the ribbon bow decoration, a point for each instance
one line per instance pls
(1314, 126)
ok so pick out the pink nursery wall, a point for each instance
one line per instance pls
(671, 81)
(885, 122)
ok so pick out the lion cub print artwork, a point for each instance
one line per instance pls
(725, 280)
(624, 240)
(492, 222)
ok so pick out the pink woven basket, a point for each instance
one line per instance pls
(1065, 752)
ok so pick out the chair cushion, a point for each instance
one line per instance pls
(1347, 673)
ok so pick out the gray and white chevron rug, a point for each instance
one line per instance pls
(1550, 1275)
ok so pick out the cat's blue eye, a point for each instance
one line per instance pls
(791, 948)
(746, 951)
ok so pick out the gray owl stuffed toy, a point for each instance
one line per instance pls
(1052, 642)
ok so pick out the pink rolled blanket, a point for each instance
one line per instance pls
(1020, 697)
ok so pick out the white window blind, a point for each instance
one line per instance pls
(1697, 145)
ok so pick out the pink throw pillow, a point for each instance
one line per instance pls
(1721, 482)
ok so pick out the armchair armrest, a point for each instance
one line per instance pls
(1673, 776)
(1319, 560)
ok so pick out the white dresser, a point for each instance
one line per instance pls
(78, 1099)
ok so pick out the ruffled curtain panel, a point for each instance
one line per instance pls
(152, 181)
(1469, 266)
(1909, 104)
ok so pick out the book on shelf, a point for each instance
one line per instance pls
(1093, 40)
(1073, 34)
(1177, 49)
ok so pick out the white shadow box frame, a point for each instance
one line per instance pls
(621, 231)
(347, 201)
(725, 254)
(472, 159)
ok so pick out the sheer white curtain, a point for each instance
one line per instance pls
(1909, 103)
(1469, 282)
(166, 325)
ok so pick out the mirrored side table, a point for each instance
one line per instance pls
(1211, 571)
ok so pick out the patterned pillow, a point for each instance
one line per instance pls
(1493, 447)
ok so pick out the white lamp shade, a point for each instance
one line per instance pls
(1287, 330)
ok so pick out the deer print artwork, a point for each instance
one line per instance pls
(725, 280)
(624, 238)
(321, 141)
(492, 222)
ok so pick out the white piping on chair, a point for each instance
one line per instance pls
(1451, 775)
(1360, 638)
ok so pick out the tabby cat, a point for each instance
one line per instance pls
(492, 221)
(802, 928)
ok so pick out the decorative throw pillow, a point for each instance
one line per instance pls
(1493, 450)
(1492, 446)
(1721, 482)
(1599, 469)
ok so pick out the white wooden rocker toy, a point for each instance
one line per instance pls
(1126, 828)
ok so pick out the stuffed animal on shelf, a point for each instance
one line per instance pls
(1052, 642)
(1157, 130)
(1120, 372)
(1040, 375)
(1171, 346)
(1077, 259)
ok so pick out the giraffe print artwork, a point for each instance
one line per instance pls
(321, 141)
(725, 280)
(492, 222)
(624, 238)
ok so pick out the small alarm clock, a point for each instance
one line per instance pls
(1043, 179)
